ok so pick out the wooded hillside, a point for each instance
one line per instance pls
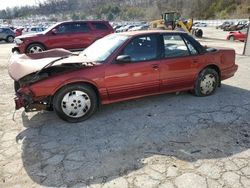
(132, 9)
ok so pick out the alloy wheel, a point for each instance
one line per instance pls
(35, 49)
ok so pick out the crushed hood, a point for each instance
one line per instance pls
(21, 65)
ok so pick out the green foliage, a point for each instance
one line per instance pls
(107, 11)
(75, 16)
(223, 14)
(131, 13)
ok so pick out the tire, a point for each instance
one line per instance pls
(75, 103)
(231, 38)
(10, 39)
(35, 48)
(198, 33)
(206, 83)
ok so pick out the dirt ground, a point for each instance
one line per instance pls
(165, 141)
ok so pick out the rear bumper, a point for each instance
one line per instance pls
(229, 72)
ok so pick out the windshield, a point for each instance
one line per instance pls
(103, 48)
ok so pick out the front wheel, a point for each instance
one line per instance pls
(206, 83)
(35, 48)
(10, 39)
(231, 38)
(75, 103)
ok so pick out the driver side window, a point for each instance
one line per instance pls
(143, 48)
(64, 28)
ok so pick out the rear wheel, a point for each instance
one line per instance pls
(35, 48)
(75, 103)
(206, 83)
(198, 33)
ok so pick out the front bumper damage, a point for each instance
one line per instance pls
(15, 50)
(26, 101)
(19, 102)
(23, 98)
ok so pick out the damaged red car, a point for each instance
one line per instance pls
(115, 68)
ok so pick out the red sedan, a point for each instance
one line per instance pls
(115, 68)
(238, 35)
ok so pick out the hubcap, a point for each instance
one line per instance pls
(35, 49)
(10, 39)
(208, 84)
(76, 104)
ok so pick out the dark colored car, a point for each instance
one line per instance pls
(238, 35)
(7, 34)
(225, 24)
(236, 27)
(71, 35)
(118, 67)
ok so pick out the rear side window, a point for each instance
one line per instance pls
(100, 26)
(1, 30)
(174, 46)
(191, 48)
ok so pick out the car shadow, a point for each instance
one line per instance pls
(3, 42)
(116, 140)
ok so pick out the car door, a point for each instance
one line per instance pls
(60, 36)
(2, 35)
(82, 35)
(180, 63)
(101, 29)
(138, 77)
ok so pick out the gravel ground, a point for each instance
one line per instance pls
(165, 141)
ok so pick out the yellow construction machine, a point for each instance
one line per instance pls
(172, 21)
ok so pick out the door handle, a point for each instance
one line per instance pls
(155, 66)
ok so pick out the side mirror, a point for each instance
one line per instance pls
(54, 31)
(123, 59)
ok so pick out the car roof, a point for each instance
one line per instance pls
(134, 33)
(77, 21)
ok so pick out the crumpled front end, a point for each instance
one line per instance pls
(25, 98)
(21, 65)
(32, 77)
(19, 102)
